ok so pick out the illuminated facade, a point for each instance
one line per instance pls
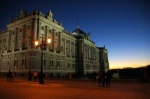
(68, 52)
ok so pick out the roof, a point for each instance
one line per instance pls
(79, 33)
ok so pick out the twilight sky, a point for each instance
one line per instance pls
(123, 26)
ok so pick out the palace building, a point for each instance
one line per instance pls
(67, 53)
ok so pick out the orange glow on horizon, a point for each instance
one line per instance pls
(120, 65)
(128, 62)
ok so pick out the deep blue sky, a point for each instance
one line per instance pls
(123, 26)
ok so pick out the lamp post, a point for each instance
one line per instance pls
(43, 46)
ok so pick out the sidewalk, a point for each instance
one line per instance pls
(72, 89)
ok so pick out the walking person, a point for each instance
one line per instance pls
(100, 78)
(94, 76)
(35, 75)
(9, 76)
(12, 76)
(108, 79)
(103, 79)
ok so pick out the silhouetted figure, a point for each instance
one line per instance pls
(103, 79)
(141, 76)
(35, 74)
(145, 75)
(108, 79)
(30, 76)
(12, 76)
(9, 76)
(94, 76)
(100, 75)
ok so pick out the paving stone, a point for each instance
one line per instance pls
(21, 88)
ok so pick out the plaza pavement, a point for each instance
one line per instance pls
(21, 88)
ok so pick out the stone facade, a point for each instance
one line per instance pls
(104, 63)
(68, 52)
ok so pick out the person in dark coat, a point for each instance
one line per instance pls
(108, 79)
(100, 75)
(103, 79)
(12, 76)
(9, 76)
(30, 76)
(94, 76)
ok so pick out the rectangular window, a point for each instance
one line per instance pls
(20, 29)
(73, 66)
(25, 62)
(68, 66)
(58, 63)
(42, 27)
(49, 30)
(28, 27)
(8, 63)
(22, 62)
(14, 62)
(50, 63)
(44, 62)
(72, 43)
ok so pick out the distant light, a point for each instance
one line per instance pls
(49, 40)
(36, 43)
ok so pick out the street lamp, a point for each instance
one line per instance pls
(43, 46)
